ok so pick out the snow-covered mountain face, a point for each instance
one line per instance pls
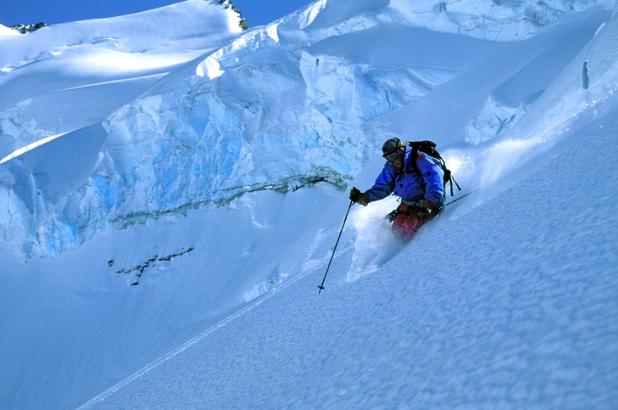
(148, 154)
(98, 66)
(189, 142)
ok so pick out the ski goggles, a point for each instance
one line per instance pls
(391, 156)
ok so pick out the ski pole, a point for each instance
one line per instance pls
(321, 287)
(459, 198)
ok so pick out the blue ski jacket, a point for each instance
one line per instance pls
(407, 183)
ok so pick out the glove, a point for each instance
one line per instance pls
(427, 204)
(359, 197)
(423, 213)
(425, 210)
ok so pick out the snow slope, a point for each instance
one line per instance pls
(199, 196)
(6, 31)
(523, 316)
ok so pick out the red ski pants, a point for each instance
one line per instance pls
(407, 222)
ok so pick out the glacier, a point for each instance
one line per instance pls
(186, 142)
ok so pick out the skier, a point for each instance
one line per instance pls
(420, 187)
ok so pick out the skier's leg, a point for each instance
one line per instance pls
(406, 226)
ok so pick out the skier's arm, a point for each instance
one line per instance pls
(434, 179)
(384, 184)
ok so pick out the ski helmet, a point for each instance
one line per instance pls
(390, 149)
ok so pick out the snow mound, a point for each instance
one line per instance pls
(6, 31)
(159, 29)
(99, 65)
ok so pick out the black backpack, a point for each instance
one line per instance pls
(429, 148)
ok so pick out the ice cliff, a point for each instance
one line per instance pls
(151, 130)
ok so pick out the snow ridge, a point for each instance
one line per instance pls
(491, 20)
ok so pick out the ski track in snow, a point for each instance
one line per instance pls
(123, 80)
